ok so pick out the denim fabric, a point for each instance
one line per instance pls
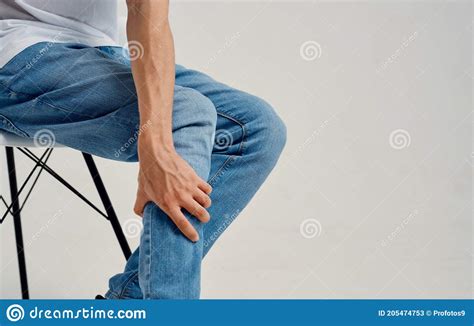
(85, 97)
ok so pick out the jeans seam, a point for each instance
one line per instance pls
(147, 291)
(148, 270)
(222, 169)
(12, 127)
(58, 107)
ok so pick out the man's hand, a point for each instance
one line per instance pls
(168, 180)
(165, 178)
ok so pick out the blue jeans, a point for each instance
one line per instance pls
(85, 98)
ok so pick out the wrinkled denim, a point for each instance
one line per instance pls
(85, 97)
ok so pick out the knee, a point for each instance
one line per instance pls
(205, 112)
(192, 109)
(194, 125)
(267, 131)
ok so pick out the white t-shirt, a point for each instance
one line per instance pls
(26, 22)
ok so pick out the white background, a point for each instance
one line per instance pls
(391, 223)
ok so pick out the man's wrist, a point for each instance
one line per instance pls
(156, 143)
(155, 132)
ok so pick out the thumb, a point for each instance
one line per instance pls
(140, 202)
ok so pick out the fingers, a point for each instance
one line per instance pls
(204, 186)
(183, 224)
(202, 198)
(195, 209)
(140, 202)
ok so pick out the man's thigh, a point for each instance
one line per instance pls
(83, 97)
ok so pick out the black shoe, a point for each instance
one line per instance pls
(100, 297)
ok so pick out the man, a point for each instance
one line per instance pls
(203, 148)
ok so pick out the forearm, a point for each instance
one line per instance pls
(153, 70)
(165, 178)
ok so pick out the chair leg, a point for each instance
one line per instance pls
(107, 205)
(17, 222)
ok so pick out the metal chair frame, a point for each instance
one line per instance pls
(15, 207)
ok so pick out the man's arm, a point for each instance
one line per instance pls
(165, 178)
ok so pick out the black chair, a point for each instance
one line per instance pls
(11, 143)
